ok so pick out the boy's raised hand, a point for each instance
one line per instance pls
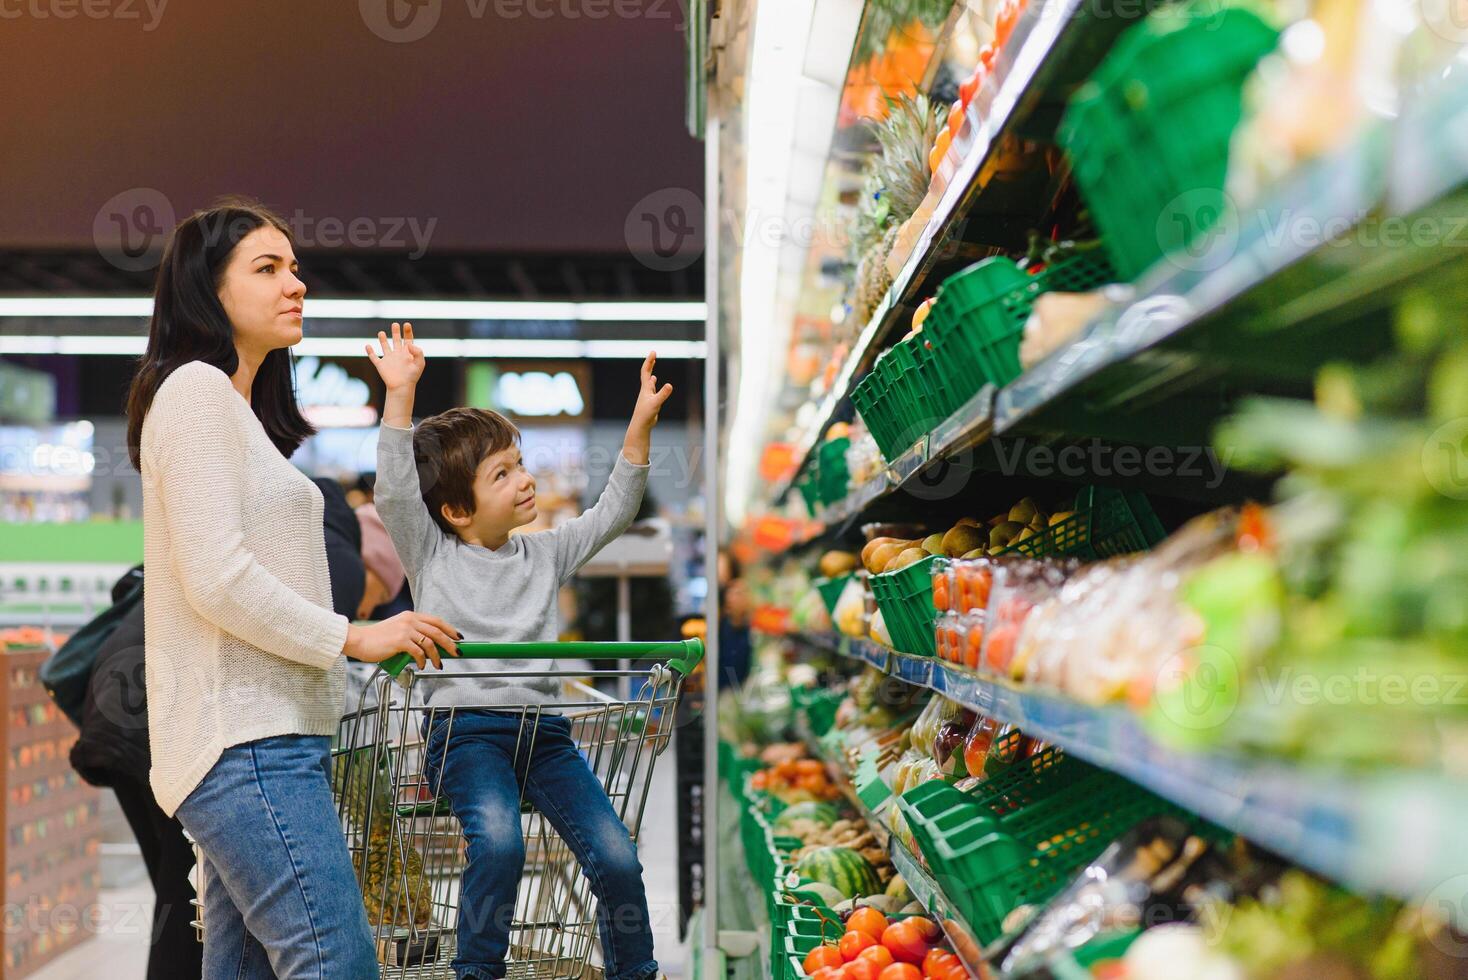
(650, 397)
(400, 361)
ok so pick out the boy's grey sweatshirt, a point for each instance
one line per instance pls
(504, 595)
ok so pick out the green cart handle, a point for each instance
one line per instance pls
(683, 655)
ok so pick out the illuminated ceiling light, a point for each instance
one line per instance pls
(382, 309)
(500, 347)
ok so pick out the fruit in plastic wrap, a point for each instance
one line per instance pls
(976, 744)
(851, 608)
(879, 630)
(948, 745)
(934, 715)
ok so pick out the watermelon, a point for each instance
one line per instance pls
(822, 813)
(843, 869)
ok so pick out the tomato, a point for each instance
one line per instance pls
(941, 598)
(930, 930)
(940, 150)
(823, 956)
(970, 87)
(973, 644)
(901, 971)
(955, 118)
(1004, 22)
(827, 973)
(860, 969)
(869, 921)
(853, 943)
(938, 962)
(906, 941)
(986, 56)
(1000, 648)
(878, 954)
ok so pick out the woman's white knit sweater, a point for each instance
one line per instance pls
(241, 640)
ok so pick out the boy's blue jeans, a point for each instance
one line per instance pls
(487, 761)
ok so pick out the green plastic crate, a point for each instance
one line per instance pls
(976, 327)
(819, 706)
(988, 864)
(896, 401)
(906, 600)
(831, 589)
(1106, 523)
(869, 399)
(1148, 135)
(833, 479)
(810, 491)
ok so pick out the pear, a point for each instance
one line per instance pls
(1024, 535)
(871, 546)
(884, 553)
(933, 544)
(1004, 534)
(971, 521)
(1024, 511)
(905, 558)
(997, 519)
(1061, 515)
(976, 553)
(961, 538)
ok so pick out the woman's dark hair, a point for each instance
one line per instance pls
(189, 324)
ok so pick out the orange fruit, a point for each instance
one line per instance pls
(938, 962)
(823, 956)
(869, 921)
(853, 943)
(931, 931)
(901, 971)
(878, 954)
(905, 941)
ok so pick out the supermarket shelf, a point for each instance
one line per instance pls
(1265, 305)
(964, 428)
(1393, 832)
(1054, 45)
(922, 884)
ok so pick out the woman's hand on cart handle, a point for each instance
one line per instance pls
(416, 634)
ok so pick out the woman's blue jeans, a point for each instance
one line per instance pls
(280, 898)
(486, 763)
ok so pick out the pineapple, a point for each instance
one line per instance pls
(896, 182)
(390, 862)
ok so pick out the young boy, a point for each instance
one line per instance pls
(450, 491)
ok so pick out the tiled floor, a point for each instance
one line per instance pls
(120, 951)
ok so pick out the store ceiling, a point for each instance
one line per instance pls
(500, 154)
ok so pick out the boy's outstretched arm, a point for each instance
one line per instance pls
(400, 362)
(578, 539)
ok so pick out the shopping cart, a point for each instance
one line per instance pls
(406, 846)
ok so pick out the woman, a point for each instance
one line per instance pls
(245, 657)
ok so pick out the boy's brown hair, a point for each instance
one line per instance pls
(448, 449)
